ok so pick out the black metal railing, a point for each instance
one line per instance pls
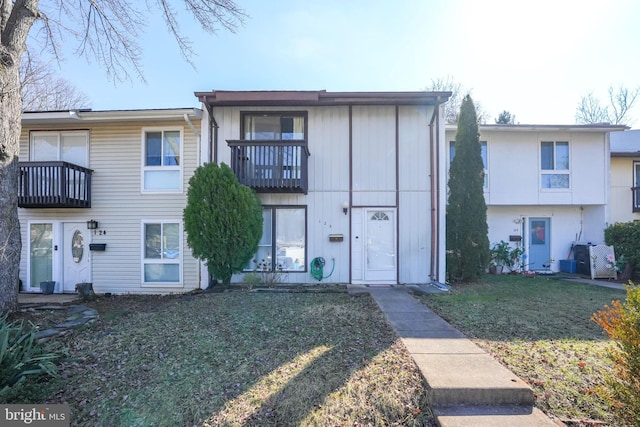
(635, 191)
(278, 166)
(54, 185)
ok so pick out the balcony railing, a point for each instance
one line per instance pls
(636, 199)
(278, 166)
(54, 185)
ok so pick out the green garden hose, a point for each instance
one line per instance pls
(317, 268)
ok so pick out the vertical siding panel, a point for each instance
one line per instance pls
(374, 171)
(415, 194)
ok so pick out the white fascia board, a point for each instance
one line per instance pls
(79, 116)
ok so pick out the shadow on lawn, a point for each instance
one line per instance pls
(241, 358)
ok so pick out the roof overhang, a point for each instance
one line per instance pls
(626, 154)
(547, 128)
(90, 116)
(321, 97)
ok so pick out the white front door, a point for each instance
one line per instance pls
(380, 263)
(76, 256)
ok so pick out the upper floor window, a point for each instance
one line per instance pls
(554, 164)
(483, 154)
(67, 146)
(274, 126)
(162, 160)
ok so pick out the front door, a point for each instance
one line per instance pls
(539, 244)
(380, 248)
(76, 256)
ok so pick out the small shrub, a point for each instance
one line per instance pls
(621, 322)
(252, 279)
(269, 277)
(21, 355)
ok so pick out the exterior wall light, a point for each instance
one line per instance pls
(345, 207)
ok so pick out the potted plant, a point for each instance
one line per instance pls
(504, 256)
(515, 259)
(500, 257)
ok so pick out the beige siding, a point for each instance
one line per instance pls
(621, 184)
(119, 206)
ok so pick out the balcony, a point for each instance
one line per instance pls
(274, 166)
(54, 185)
(636, 199)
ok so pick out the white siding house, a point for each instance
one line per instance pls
(126, 174)
(356, 179)
(546, 187)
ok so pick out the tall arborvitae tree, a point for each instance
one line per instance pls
(467, 240)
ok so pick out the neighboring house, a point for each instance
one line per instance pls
(546, 187)
(101, 199)
(625, 176)
(355, 178)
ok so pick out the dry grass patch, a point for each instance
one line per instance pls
(239, 358)
(541, 329)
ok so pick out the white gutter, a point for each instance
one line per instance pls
(197, 134)
(198, 143)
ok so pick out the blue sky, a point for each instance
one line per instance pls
(535, 59)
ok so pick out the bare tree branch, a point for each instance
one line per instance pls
(621, 101)
(108, 31)
(452, 106)
(43, 90)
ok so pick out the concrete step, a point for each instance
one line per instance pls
(471, 379)
(492, 416)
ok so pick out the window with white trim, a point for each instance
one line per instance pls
(162, 252)
(554, 165)
(284, 234)
(162, 160)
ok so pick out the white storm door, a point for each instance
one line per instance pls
(380, 246)
(76, 255)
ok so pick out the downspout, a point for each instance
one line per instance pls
(198, 144)
(213, 135)
(438, 162)
(434, 239)
(397, 165)
(197, 134)
(351, 192)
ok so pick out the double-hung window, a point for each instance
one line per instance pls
(162, 160)
(554, 165)
(284, 234)
(483, 154)
(161, 252)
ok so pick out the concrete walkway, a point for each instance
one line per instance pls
(467, 386)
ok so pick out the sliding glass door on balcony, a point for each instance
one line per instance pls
(272, 157)
(56, 174)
